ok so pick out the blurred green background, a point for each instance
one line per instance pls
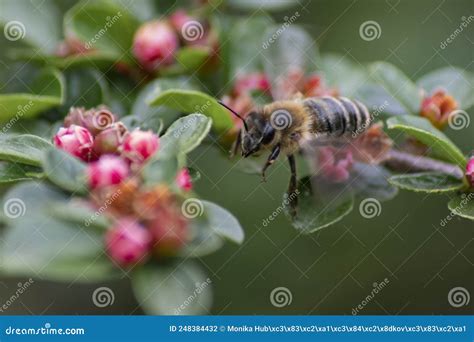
(333, 270)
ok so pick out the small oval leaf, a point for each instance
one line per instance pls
(463, 205)
(427, 182)
(25, 149)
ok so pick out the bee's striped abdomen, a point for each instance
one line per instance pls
(337, 116)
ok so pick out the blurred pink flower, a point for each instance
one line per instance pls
(76, 140)
(108, 170)
(257, 81)
(154, 44)
(335, 164)
(110, 140)
(128, 243)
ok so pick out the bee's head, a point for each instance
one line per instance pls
(258, 131)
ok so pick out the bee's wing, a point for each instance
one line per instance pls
(288, 55)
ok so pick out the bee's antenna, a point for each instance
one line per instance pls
(235, 113)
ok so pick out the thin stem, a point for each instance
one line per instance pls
(408, 162)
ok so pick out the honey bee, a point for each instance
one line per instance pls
(284, 127)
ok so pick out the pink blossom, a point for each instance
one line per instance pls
(108, 170)
(138, 145)
(252, 82)
(179, 18)
(154, 44)
(183, 179)
(128, 242)
(335, 164)
(470, 171)
(75, 140)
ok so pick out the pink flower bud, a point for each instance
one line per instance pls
(179, 18)
(154, 44)
(169, 230)
(75, 140)
(335, 164)
(438, 107)
(128, 242)
(108, 170)
(138, 145)
(252, 82)
(110, 139)
(183, 179)
(470, 171)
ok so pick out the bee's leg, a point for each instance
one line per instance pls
(236, 144)
(271, 158)
(292, 188)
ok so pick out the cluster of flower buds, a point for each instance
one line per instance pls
(296, 81)
(156, 42)
(438, 107)
(145, 219)
(149, 222)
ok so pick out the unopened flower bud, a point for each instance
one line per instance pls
(128, 243)
(170, 231)
(179, 19)
(154, 44)
(110, 139)
(108, 170)
(94, 119)
(76, 140)
(138, 145)
(184, 181)
(438, 107)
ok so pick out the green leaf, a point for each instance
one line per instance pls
(161, 170)
(463, 205)
(457, 82)
(39, 22)
(397, 84)
(191, 58)
(427, 182)
(104, 26)
(12, 172)
(147, 117)
(424, 131)
(342, 74)
(85, 88)
(64, 170)
(48, 92)
(223, 222)
(317, 210)
(186, 133)
(80, 213)
(36, 244)
(177, 289)
(189, 101)
(23, 149)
